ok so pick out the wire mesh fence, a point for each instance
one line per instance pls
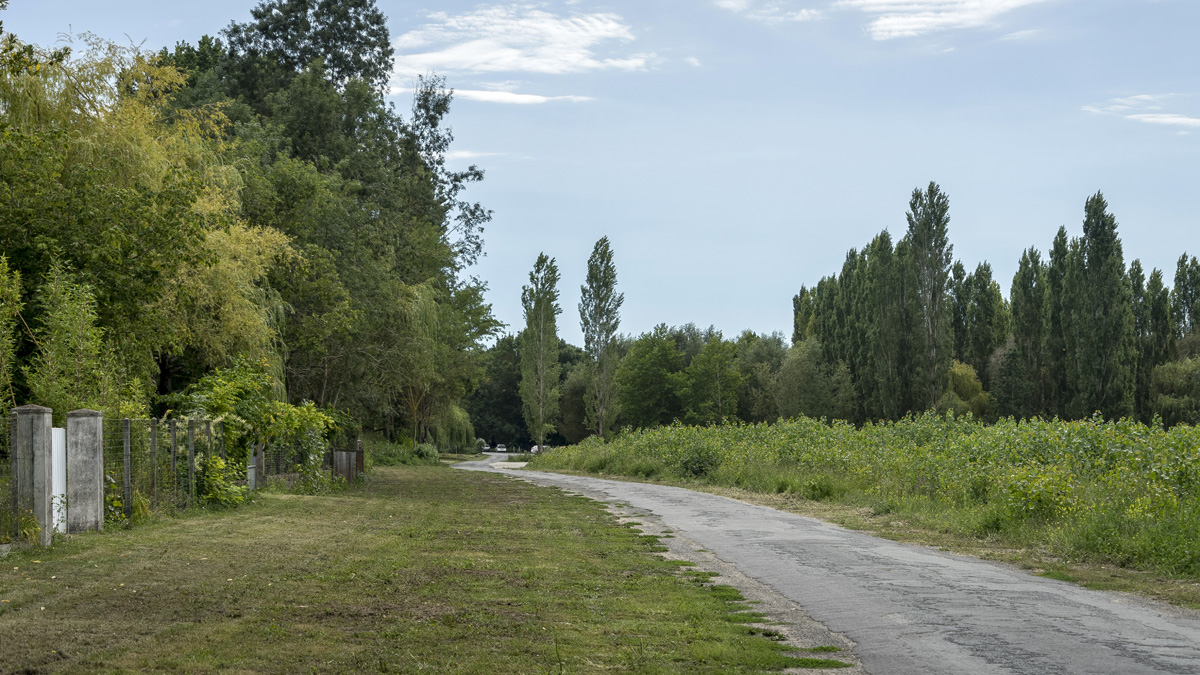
(284, 459)
(9, 514)
(151, 466)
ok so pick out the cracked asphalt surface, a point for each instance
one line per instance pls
(905, 608)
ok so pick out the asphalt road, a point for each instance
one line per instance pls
(911, 609)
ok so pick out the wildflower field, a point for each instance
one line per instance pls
(1095, 491)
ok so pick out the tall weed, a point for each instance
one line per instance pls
(1112, 491)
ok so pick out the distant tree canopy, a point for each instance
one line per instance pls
(904, 328)
(1079, 333)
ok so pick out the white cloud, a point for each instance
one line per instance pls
(692, 61)
(516, 38)
(910, 18)
(768, 11)
(1170, 119)
(1117, 106)
(1145, 108)
(1021, 35)
(501, 96)
(469, 154)
(488, 96)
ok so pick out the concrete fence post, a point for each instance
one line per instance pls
(251, 479)
(32, 470)
(85, 471)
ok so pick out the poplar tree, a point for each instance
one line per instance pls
(960, 289)
(1185, 296)
(928, 234)
(539, 349)
(802, 314)
(1028, 298)
(1054, 346)
(599, 318)
(987, 322)
(1103, 318)
(887, 336)
(1154, 334)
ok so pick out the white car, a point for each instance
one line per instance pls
(500, 448)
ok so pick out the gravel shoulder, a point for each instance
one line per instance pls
(897, 608)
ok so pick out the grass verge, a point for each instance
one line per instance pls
(424, 569)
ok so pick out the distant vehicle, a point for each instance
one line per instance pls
(486, 447)
(500, 448)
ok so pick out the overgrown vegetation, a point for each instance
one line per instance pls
(251, 198)
(1116, 492)
(380, 452)
(423, 569)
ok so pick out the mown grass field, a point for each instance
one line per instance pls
(1110, 504)
(423, 569)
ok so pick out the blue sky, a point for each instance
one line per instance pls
(733, 150)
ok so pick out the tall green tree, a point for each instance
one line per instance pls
(709, 385)
(928, 235)
(539, 349)
(1153, 333)
(350, 37)
(889, 294)
(1185, 304)
(961, 294)
(1028, 299)
(645, 380)
(599, 317)
(495, 405)
(73, 367)
(1104, 322)
(810, 387)
(987, 322)
(759, 359)
(1057, 349)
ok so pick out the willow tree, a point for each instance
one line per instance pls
(539, 349)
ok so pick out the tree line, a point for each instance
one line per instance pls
(903, 328)
(249, 198)
(1080, 333)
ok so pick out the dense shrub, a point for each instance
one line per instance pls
(382, 453)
